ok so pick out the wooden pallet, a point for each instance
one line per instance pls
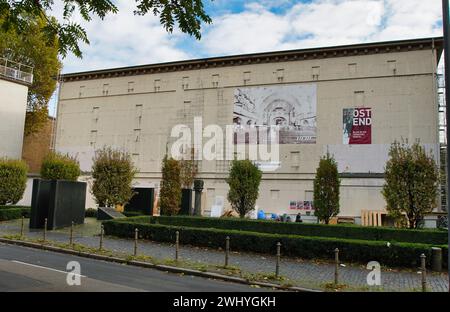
(372, 217)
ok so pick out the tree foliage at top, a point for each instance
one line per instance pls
(188, 170)
(188, 15)
(31, 47)
(13, 180)
(57, 166)
(244, 180)
(113, 172)
(411, 186)
(170, 194)
(326, 189)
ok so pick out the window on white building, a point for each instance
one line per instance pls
(95, 114)
(295, 159)
(275, 194)
(105, 89)
(352, 69)
(185, 84)
(130, 86)
(93, 138)
(81, 91)
(360, 98)
(157, 85)
(247, 77)
(138, 116)
(280, 75)
(215, 80)
(392, 64)
(315, 72)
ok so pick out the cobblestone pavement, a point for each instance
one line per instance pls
(304, 273)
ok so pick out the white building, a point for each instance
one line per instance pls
(389, 88)
(14, 82)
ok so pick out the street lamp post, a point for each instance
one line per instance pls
(446, 26)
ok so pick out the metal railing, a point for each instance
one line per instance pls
(16, 71)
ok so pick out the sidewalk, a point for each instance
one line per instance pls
(304, 273)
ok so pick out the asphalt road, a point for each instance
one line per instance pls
(32, 270)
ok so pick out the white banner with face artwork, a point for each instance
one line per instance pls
(291, 108)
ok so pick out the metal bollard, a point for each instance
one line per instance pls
(277, 268)
(45, 229)
(423, 270)
(336, 270)
(136, 235)
(71, 235)
(227, 250)
(177, 244)
(22, 227)
(102, 230)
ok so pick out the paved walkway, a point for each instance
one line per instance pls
(305, 273)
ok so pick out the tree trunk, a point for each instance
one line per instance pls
(412, 222)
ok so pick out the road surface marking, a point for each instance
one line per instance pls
(42, 267)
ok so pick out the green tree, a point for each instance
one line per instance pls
(188, 15)
(243, 180)
(188, 170)
(30, 47)
(57, 166)
(113, 172)
(170, 194)
(13, 180)
(326, 189)
(411, 186)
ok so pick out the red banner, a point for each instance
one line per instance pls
(358, 126)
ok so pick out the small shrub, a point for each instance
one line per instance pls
(113, 172)
(91, 213)
(411, 186)
(244, 180)
(13, 180)
(56, 166)
(14, 212)
(326, 189)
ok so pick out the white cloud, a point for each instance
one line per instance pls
(254, 29)
(411, 19)
(124, 39)
(322, 23)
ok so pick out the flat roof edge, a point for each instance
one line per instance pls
(265, 57)
(18, 81)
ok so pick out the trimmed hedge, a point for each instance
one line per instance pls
(14, 212)
(56, 166)
(132, 213)
(398, 254)
(91, 213)
(437, 237)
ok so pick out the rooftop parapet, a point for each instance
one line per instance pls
(16, 71)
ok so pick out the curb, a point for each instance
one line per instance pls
(159, 267)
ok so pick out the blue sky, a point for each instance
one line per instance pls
(252, 26)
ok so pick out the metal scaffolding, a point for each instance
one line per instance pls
(442, 134)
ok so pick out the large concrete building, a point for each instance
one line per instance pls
(351, 101)
(14, 82)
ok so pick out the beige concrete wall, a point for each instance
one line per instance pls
(13, 104)
(98, 112)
